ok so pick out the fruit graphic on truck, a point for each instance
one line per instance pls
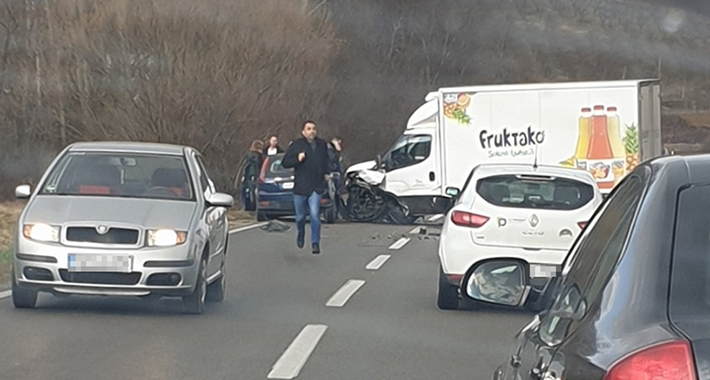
(455, 108)
(631, 145)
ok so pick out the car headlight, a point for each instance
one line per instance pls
(41, 232)
(166, 238)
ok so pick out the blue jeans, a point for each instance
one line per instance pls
(312, 203)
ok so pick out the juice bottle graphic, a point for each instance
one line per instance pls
(583, 140)
(617, 146)
(600, 156)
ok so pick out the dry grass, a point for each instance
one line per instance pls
(697, 119)
(9, 212)
(238, 218)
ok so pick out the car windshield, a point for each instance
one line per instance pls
(535, 192)
(274, 168)
(120, 175)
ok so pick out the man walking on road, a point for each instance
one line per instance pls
(309, 158)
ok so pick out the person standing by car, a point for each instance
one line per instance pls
(251, 173)
(308, 156)
(273, 146)
(335, 149)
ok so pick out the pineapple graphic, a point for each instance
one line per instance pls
(631, 144)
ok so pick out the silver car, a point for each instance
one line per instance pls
(123, 219)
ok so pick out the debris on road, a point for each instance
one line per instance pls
(276, 226)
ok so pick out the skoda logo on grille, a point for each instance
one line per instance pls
(534, 221)
(102, 230)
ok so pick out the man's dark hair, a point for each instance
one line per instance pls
(308, 122)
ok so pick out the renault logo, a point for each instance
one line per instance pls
(102, 230)
(534, 221)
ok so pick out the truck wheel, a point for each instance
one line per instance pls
(22, 298)
(448, 298)
(397, 215)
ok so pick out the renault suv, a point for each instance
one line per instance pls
(513, 211)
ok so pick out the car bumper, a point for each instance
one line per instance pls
(165, 271)
(458, 254)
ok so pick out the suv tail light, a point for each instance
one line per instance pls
(264, 166)
(668, 361)
(582, 224)
(467, 219)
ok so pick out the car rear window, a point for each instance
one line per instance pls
(535, 192)
(274, 168)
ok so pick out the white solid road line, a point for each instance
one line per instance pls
(434, 218)
(247, 228)
(294, 358)
(400, 243)
(5, 294)
(341, 297)
(378, 262)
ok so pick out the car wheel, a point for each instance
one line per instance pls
(448, 298)
(217, 289)
(195, 302)
(331, 214)
(261, 216)
(22, 298)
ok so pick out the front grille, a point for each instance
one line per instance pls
(112, 236)
(103, 278)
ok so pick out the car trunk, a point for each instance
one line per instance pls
(533, 212)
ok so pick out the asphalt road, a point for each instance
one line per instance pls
(275, 322)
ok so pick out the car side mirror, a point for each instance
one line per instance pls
(220, 200)
(453, 192)
(499, 282)
(23, 191)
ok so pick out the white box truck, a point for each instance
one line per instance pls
(604, 127)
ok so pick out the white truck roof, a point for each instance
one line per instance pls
(546, 86)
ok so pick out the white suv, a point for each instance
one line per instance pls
(532, 214)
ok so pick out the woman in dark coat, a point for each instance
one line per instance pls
(254, 160)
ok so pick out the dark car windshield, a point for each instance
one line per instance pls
(537, 192)
(120, 175)
(274, 169)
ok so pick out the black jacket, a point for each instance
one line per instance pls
(253, 168)
(310, 174)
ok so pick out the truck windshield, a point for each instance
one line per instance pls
(407, 151)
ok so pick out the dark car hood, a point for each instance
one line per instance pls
(148, 213)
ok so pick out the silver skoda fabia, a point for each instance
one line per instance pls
(123, 219)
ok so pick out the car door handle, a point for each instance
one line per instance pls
(432, 176)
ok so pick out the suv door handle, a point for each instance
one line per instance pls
(432, 176)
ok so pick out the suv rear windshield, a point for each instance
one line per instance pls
(536, 192)
(274, 168)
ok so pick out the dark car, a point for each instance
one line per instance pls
(275, 192)
(632, 300)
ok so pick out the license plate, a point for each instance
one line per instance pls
(288, 185)
(99, 263)
(540, 270)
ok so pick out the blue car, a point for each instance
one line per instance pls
(274, 193)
